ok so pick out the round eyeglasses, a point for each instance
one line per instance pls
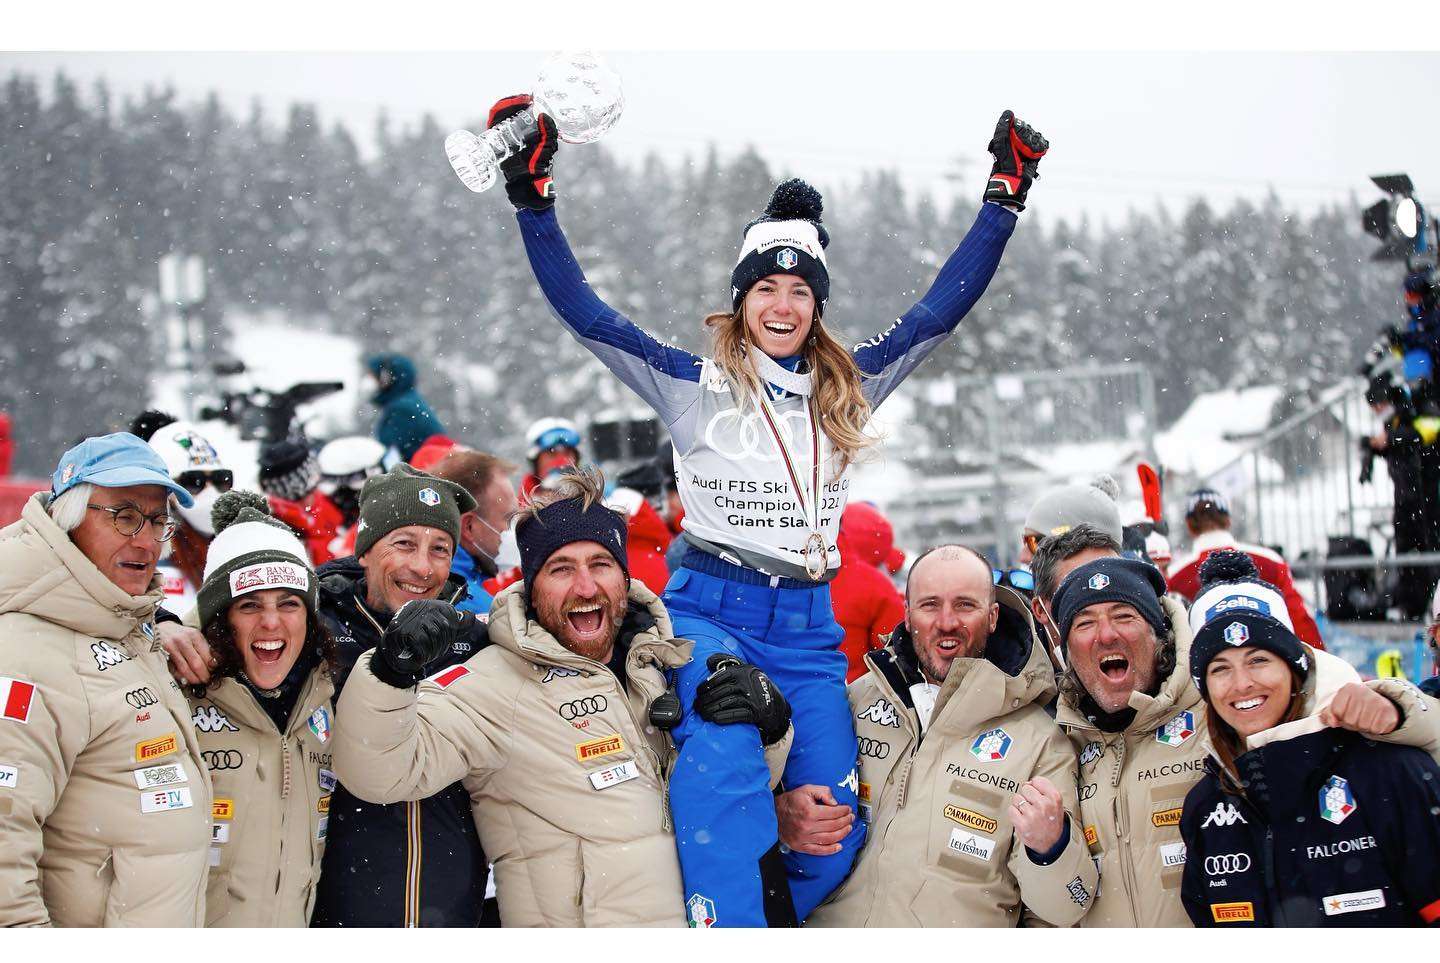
(128, 521)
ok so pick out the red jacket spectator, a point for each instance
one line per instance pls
(432, 451)
(316, 519)
(867, 604)
(646, 539)
(1185, 578)
(7, 445)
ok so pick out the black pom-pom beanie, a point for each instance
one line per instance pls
(787, 239)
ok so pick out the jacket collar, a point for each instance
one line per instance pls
(1330, 673)
(43, 573)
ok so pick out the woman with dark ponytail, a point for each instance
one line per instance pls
(764, 430)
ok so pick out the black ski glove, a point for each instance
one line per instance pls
(1018, 148)
(738, 692)
(417, 635)
(527, 171)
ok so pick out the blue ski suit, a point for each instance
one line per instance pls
(725, 826)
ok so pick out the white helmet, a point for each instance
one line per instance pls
(189, 456)
(350, 455)
(547, 433)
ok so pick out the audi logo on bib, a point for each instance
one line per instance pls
(221, 759)
(581, 708)
(1227, 864)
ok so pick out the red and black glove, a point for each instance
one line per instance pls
(1018, 148)
(527, 171)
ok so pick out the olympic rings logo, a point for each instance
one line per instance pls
(221, 759)
(1227, 864)
(874, 748)
(581, 708)
(140, 698)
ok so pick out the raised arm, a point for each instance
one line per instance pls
(666, 377)
(889, 357)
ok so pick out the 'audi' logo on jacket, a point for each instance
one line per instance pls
(220, 759)
(874, 748)
(1227, 864)
(140, 698)
(581, 708)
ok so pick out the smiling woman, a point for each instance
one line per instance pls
(267, 708)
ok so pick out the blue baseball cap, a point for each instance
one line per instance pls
(114, 461)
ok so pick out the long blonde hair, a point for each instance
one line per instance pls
(840, 406)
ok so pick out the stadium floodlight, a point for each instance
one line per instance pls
(1398, 220)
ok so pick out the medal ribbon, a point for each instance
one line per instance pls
(772, 422)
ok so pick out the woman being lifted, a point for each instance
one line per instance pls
(764, 431)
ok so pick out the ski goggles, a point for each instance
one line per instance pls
(194, 482)
(1019, 579)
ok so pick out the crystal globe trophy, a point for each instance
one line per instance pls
(579, 92)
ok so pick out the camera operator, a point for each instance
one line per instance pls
(1405, 440)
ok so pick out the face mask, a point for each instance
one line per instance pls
(508, 554)
(198, 515)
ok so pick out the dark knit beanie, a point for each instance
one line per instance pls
(407, 496)
(1113, 579)
(251, 551)
(288, 470)
(787, 239)
(565, 521)
(1245, 628)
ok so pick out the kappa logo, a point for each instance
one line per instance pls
(786, 259)
(558, 672)
(1078, 893)
(1224, 814)
(701, 912)
(207, 718)
(1337, 802)
(1091, 752)
(881, 713)
(851, 782)
(1177, 731)
(107, 655)
(1237, 633)
(991, 746)
(1099, 581)
(429, 496)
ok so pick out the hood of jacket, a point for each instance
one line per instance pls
(1017, 669)
(865, 534)
(1176, 692)
(512, 628)
(43, 574)
(402, 374)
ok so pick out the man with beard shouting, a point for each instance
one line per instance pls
(558, 729)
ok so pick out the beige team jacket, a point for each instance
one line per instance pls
(566, 776)
(272, 802)
(1133, 783)
(104, 800)
(941, 849)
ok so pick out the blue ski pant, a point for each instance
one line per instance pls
(720, 797)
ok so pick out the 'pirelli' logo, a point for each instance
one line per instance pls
(1167, 817)
(1091, 836)
(596, 748)
(1233, 912)
(969, 817)
(222, 809)
(155, 748)
(864, 793)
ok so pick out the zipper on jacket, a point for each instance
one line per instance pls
(1126, 859)
(1267, 867)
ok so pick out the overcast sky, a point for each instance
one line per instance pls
(1127, 128)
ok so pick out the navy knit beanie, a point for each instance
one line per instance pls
(565, 521)
(1244, 627)
(1113, 579)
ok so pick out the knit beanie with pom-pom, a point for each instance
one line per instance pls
(252, 550)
